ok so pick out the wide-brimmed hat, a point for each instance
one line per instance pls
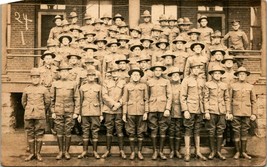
(124, 38)
(194, 30)
(146, 37)
(113, 28)
(175, 70)
(136, 28)
(242, 69)
(172, 18)
(179, 39)
(217, 50)
(65, 36)
(197, 43)
(75, 53)
(118, 16)
(194, 64)
(216, 68)
(89, 60)
(158, 64)
(91, 72)
(113, 41)
(144, 57)
(106, 15)
(87, 16)
(101, 39)
(157, 27)
(64, 66)
(123, 24)
(187, 21)
(97, 21)
(90, 46)
(35, 72)
(65, 22)
(234, 22)
(168, 53)
(228, 57)
(57, 17)
(162, 40)
(90, 32)
(135, 45)
(202, 17)
(180, 21)
(146, 13)
(48, 53)
(76, 27)
(114, 69)
(73, 14)
(136, 69)
(217, 34)
(163, 18)
(122, 58)
(81, 37)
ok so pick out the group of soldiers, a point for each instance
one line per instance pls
(167, 77)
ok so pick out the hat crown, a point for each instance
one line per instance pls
(163, 17)
(217, 68)
(73, 14)
(98, 20)
(113, 41)
(217, 33)
(172, 17)
(106, 15)
(65, 22)
(123, 24)
(75, 27)
(118, 15)
(113, 28)
(168, 52)
(123, 36)
(195, 64)
(121, 57)
(136, 28)
(194, 30)
(35, 71)
(241, 69)
(144, 57)
(157, 27)
(64, 66)
(176, 70)
(179, 38)
(146, 12)
(58, 17)
(180, 20)
(202, 17)
(158, 64)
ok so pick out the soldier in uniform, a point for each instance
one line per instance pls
(64, 50)
(123, 67)
(91, 112)
(98, 28)
(89, 63)
(124, 48)
(101, 48)
(162, 46)
(88, 23)
(243, 110)
(35, 100)
(73, 19)
(175, 129)
(55, 31)
(146, 26)
(192, 107)
(146, 41)
(218, 57)
(90, 51)
(193, 37)
(52, 46)
(65, 106)
(112, 33)
(184, 25)
(205, 31)
(144, 64)
(217, 106)
(135, 34)
(81, 41)
(136, 49)
(75, 31)
(118, 19)
(168, 61)
(65, 27)
(174, 31)
(216, 43)
(160, 99)
(163, 21)
(90, 37)
(135, 110)
(123, 28)
(156, 36)
(106, 18)
(181, 55)
(112, 92)
(228, 77)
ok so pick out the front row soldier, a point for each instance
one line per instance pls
(91, 113)
(217, 106)
(135, 110)
(65, 106)
(192, 107)
(35, 100)
(160, 99)
(243, 110)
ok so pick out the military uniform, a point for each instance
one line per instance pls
(146, 27)
(206, 32)
(238, 40)
(55, 31)
(87, 27)
(148, 74)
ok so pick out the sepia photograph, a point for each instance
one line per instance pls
(133, 83)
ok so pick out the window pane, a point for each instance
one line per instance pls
(92, 8)
(156, 11)
(171, 10)
(105, 7)
(218, 8)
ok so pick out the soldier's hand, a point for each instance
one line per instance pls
(166, 113)
(101, 118)
(54, 116)
(79, 119)
(229, 117)
(145, 116)
(253, 117)
(207, 116)
(187, 115)
(74, 116)
(124, 118)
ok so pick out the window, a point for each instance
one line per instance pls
(97, 8)
(51, 6)
(215, 8)
(157, 10)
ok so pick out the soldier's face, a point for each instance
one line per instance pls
(229, 63)
(157, 72)
(195, 70)
(58, 22)
(136, 76)
(168, 60)
(123, 43)
(88, 21)
(75, 33)
(91, 77)
(81, 42)
(134, 34)
(74, 20)
(113, 48)
(182, 27)
(187, 27)
(48, 60)
(203, 23)
(90, 38)
(172, 23)
(89, 53)
(146, 19)
(106, 20)
(100, 44)
(197, 49)
(216, 40)
(216, 75)
(146, 43)
(112, 33)
(242, 76)
(115, 75)
(66, 28)
(122, 65)
(35, 79)
(137, 51)
(65, 41)
(179, 45)
(236, 26)
(123, 30)
(194, 36)
(73, 60)
(156, 33)
(143, 64)
(98, 26)
(64, 74)
(218, 56)
(118, 21)
(175, 77)
(163, 23)
(162, 46)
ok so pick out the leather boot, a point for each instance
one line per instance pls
(198, 153)
(219, 148)
(187, 148)
(60, 146)
(212, 147)
(107, 153)
(132, 156)
(67, 145)
(52, 125)
(85, 149)
(237, 148)
(32, 150)
(39, 144)
(161, 146)
(96, 155)
(140, 146)
(244, 148)
(171, 140)
(122, 154)
(177, 148)
(154, 144)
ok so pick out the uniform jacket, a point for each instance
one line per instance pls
(176, 104)
(65, 97)
(192, 95)
(243, 99)
(216, 98)
(201, 59)
(238, 40)
(160, 95)
(112, 92)
(135, 99)
(146, 28)
(205, 35)
(48, 75)
(148, 74)
(228, 77)
(91, 100)
(35, 100)
(180, 60)
(54, 32)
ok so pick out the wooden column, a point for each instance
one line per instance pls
(263, 25)
(3, 37)
(134, 12)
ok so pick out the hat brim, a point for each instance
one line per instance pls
(127, 40)
(134, 46)
(154, 29)
(102, 18)
(189, 33)
(54, 19)
(214, 51)
(97, 22)
(77, 40)
(199, 20)
(164, 56)
(175, 41)
(186, 23)
(117, 43)
(48, 54)
(146, 16)
(114, 18)
(216, 36)
(143, 60)
(135, 30)
(76, 29)
(101, 40)
(64, 68)
(172, 20)
(179, 72)
(125, 60)
(150, 40)
(162, 67)
(86, 34)
(158, 43)
(64, 36)
(136, 70)
(111, 71)
(194, 44)
(211, 71)
(78, 57)
(86, 48)
(237, 72)
(224, 60)
(87, 18)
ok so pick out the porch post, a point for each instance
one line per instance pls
(263, 25)
(134, 12)
(4, 34)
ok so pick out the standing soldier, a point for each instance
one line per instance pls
(228, 77)
(123, 67)
(135, 109)
(156, 36)
(118, 19)
(243, 110)
(216, 43)
(101, 48)
(113, 31)
(65, 106)
(174, 31)
(65, 27)
(144, 64)
(64, 50)
(168, 61)
(160, 99)
(98, 28)
(123, 28)
(112, 92)
(88, 23)
(124, 48)
(184, 25)
(162, 46)
(217, 105)
(181, 55)
(193, 35)
(146, 43)
(91, 113)
(192, 107)
(205, 31)
(136, 49)
(135, 34)
(55, 31)
(147, 26)
(35, 100)
(106, 18)
(73, 19)
(175, 130)
(75, 32)
(163, 21)
(218, 57)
